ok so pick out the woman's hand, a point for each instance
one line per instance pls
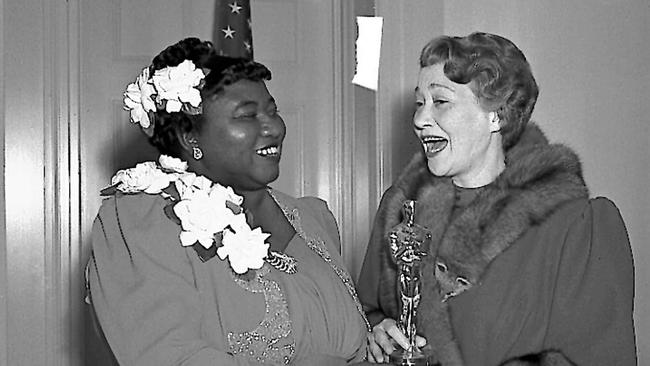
(382, 339)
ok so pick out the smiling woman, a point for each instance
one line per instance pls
(523, 267)
(196, 261)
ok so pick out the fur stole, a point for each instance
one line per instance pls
(539, 177)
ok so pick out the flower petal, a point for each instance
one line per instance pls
(173, 105)
(188, 238)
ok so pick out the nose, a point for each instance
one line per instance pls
(422, 120)
(273, 126)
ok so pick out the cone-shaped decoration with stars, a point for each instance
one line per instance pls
(232, 34)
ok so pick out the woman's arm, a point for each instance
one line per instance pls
(592, 307)
(143, 290)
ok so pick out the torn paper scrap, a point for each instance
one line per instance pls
(368, 47)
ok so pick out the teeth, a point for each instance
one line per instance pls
(434, 144)
(427, 139)
(271, 150)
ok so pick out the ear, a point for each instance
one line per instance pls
(495, 122)
(187, 140)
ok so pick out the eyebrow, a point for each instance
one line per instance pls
(436, 85)
(247, 103)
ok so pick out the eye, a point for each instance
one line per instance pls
(439, 102)
(441, 267)
(246, 115)
(463, 281)
(246, 111)
(419, 103)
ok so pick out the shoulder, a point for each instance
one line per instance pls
(590, 233)
(137, 222)
(310, 204)
(579, 233)
(598, 211)
(133, 209)
(314, 204)
(316, 215)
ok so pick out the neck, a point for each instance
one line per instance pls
(253, 200)
(487, 168)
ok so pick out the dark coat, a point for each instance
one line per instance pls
(551, 269)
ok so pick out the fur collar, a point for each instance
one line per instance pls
(539, 177)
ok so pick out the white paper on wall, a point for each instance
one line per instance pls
(368, 48)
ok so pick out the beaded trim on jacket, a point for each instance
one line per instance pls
(271, 340)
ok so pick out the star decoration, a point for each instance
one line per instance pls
(228, 32)
(235, 8)
(232, 28)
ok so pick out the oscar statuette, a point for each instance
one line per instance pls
(408, 244)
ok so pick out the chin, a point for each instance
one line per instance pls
(438, 170)
(272, 177)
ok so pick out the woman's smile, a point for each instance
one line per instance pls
(270, 152)
(433, 144)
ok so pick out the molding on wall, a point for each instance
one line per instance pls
(3, 206)
(63, 272)
(344, 129)
(357, 165)
(42, 282)
(340, 201)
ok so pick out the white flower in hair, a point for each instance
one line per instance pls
(144, 177)
(137, 99)
(244, 248)
(177, 85)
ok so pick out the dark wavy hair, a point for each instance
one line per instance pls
(223, 71)
(496, 71)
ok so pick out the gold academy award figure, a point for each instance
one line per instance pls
(408, 243)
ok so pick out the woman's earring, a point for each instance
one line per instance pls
(197, 154)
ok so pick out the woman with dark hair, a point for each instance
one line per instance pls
(522, 266)
(195, 260)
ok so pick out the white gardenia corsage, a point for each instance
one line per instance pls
(209, 213)
(203, 213)
(171, 164)
(244, 248)
(178, 85)
(145, 177)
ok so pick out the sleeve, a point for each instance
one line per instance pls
(592, 311)
(142, 290)
(372, 286)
